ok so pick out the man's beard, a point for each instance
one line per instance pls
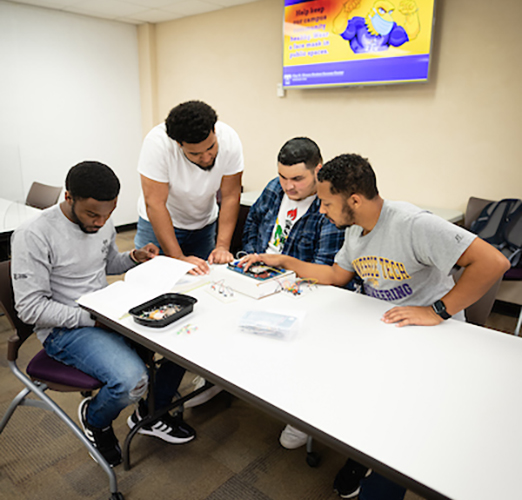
(206, 169)
(349, 218)
(76, 220)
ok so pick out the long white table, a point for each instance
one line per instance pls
(436, 409)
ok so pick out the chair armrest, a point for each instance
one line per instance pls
(13, 344)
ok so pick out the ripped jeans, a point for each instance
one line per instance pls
(109, 357)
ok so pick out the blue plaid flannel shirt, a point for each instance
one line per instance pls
(313, 237)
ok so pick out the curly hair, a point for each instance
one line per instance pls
(349, 174)
(190, 122)
(92, 179)
(300, 150)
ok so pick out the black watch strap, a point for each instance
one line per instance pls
(440, 308)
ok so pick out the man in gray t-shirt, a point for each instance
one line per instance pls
(403, 255)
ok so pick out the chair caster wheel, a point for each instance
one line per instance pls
(313, 459)
(116, 496)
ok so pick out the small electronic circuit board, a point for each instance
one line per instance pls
(258, 271)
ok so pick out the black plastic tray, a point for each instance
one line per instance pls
(185, 301)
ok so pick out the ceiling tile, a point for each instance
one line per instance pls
(191, 7)
(135, 11)
(230, 3)
(152, 16)
(109, 8)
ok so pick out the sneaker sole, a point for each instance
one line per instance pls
(292, 445)
(153, 433)
(353, 494)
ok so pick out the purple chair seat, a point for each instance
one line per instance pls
(515, 273)
(42, 367)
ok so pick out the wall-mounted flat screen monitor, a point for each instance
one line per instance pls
(331, 43)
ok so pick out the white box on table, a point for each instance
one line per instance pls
(251, 286)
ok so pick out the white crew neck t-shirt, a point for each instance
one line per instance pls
(192, 191)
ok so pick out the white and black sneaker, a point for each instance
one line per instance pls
(347, 483)
(104, 440)
(171, 429)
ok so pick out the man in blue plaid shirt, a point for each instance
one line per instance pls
(285, 219)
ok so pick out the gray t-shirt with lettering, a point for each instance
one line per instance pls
(408, 256)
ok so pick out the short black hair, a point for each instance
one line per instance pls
(190, 122)
(92, 179)
(349, 174)
(300, 150)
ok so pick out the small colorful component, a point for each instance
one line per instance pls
(160, 312)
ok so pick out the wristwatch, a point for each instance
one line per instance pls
(440, 308)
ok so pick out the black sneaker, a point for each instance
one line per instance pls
(171, 429)
(104, 440)
(347, 483)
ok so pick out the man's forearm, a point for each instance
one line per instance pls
(227, 222)
(483, 265)
(323, 274)
(475, 281)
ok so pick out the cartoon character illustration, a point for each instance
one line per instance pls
(378, 30)
(279, 237)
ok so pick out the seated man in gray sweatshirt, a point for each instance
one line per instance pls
(62, 254)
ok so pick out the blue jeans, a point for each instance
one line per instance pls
(198, 242)
(377, 487)
(110, 358)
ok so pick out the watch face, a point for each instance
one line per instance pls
(438, 306)
(440, 309)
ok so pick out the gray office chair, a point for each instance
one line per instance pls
(45, 373)
(42, 196)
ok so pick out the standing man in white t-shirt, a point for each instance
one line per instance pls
(183, 163)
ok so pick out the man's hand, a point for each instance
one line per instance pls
(220, 255)
(412, 315)
(149, 251)
(201, 266)
(268, 259)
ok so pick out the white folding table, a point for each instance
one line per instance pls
(435, 409)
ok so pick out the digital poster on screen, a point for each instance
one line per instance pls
(356, 42)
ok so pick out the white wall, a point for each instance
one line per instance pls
(69, 91)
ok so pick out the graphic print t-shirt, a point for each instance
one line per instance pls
(290, 212)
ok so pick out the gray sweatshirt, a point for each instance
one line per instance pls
(54, 263)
